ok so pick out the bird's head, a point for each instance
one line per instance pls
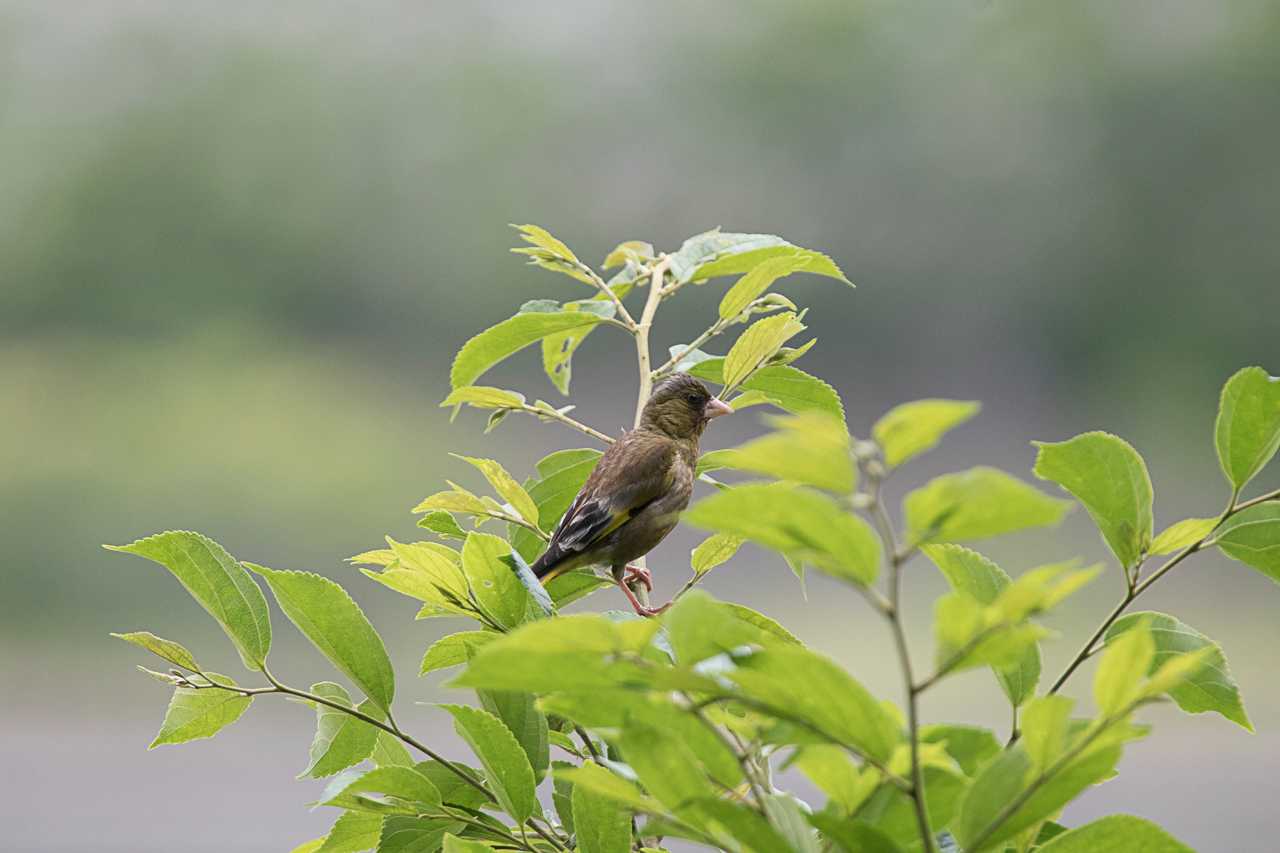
(681, 407)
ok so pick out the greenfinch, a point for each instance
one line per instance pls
(635, 494)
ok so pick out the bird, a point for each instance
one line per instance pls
(635, 494)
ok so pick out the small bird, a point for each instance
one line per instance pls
(637, 490)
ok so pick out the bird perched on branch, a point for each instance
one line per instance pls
(637, 490)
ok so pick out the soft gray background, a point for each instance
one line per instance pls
(240, 242)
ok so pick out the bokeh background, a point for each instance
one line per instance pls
(240, 242)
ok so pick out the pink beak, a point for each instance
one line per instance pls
(716, 407)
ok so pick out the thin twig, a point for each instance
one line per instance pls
(714, 329)
(566, 420)
(628, 322)
(642, 333)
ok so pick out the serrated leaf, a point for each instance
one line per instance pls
(787, 387)
(911, 429)
(418, 834)
(810, 687)
(757, 345)
(667, 767)
(1044, 730)
(1109, 477)
(699, 627)
(1247, 431)
(973, 574)
(218, 582)
(454, 844)
(494, 585)
(483, 397)
(519, 713)
(601, 824)
(715, 253)
(454, 500)
(811, 448)
(443, 523)
(341, 740)
(757, 281)
(970, 746)
(1115, 834)
(388, 790)
(970, 635)
(174, 653)
(558, 349)
(797, 522)
(713, 551)
(1180, 534)
(454, 649)
(630, 250)
(505, 485)
(353, 832)
(1125, 663)
(608, 784)
(1253, 538)
(543, 239)
(830, 768)
(977, 504)
(505, 764)
(1211, 687)
(335, 625)
(197, 714)
(388, 751)
(509, 337)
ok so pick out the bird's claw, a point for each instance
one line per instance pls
(640, 575)
(642, 609)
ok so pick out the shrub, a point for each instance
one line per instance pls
(674, 727)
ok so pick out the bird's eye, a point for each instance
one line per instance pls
(693, 398)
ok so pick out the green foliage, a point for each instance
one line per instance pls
(674, 727)
(1110, 479)
(1247, 432)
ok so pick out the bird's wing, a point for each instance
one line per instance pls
(632, 473)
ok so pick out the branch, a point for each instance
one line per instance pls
(713, 330)
(628, 322)
(552, 414)
(642, 333)
(876, 473)
(1089, 649)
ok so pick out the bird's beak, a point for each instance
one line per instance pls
(716, 407)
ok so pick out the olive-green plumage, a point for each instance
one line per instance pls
(637, 490)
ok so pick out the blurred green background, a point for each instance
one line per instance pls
(240, 242)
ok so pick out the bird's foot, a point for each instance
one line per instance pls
(640, 575)
(642, 609)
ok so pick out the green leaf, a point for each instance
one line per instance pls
(218, 583)
(913, 428)
(716, 549)
(1247, 432)
(505, 764)
(854, 836)
(800, 684)
(892, 812)
(607, 784)
(505, 485)
(454, 649)
(174, 653)
(1045, 723)
(830, 768)
(973, 574)
(483, 397)
(601, 824)
(1211, 688)
(353, 832)
(196, 714)
(667, 767)
(786, 815)
(787, 387)
(758, 280)
(811, 448)
(1116, 834)
(558, 349)
(388, 790)
(970, 635)
(1253, 538)
(776, 633)
(1109, 477)
(1125, 664)
(1181, 534)
(494, 585)
(454, 844)
(630, 250)
(311, 846)
(509, 337)
(529, 725)
(388, 751)
(402, 834)
(715, 253)
(571, 586)
(335, 625)
(443, 523)
(977, 504)
(341, 740)
(454, 500)
(1007, 777)
(438, 565)
(798, 522)
(970, 746)
(757, 345)
(700, 627)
